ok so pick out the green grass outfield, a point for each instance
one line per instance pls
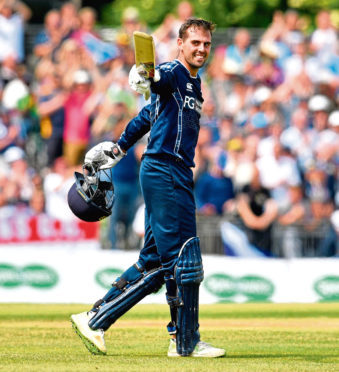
(257, 337)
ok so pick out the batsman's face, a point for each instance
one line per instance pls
(195, 48)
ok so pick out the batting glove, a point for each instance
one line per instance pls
(138, 82)
(104, 155)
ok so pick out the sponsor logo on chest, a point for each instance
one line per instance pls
(192, 103)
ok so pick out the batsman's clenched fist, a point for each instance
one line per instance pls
(104, 155)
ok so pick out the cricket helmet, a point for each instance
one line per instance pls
(91, 197)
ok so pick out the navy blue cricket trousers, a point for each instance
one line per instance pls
(167, 187)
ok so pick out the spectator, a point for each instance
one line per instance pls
(13, 15)
(213, 190)
(51, 98)
(209, 119)
(292, 33)
(69, 18)
(90, 40)
(318, 212)
(240, 56)
(277, 172)
(56, 185)
(273, 42)
(126, 190)
(130, 22)
(266, 145)
(185, 10)
(298, 138)
(257, 210)
(325, 36)
(78, 118)
(329, 245)
(87, 19)
(9, 131)
(235, 100)
(165, 39)
(300, 61)
(37, 203)
(291, 243)
(19, 175)
(325, 144)
(226, 129)
(267, 71)
(126, 187)
(48, 40)
(9, 69)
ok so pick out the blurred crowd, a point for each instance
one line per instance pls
(268, 148)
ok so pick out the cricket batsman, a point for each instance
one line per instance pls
(171, 252)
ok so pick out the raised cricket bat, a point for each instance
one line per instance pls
(144, 54)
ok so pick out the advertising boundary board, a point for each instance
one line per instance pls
(82, 273)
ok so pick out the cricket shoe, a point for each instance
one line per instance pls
(93, 340)
(202, 349)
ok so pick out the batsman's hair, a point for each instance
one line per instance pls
(195, 22)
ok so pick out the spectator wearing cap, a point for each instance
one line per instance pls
(76, 106)
(130, 22)
(78, 110)
(241, 154)
(266, 70)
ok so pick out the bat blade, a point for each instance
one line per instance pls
(144, 52)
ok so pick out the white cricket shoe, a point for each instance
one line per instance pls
(202, 349)
(93, 340)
